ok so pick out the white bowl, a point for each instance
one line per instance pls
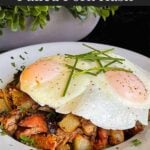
(33, 53)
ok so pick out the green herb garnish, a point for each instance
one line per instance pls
(136, 142)
(98, 51)
(41, 49)
(12, 57)
(22, 109)
(13, 64)
(2, 132)
(70, 76)
(77, 69)
(21, 57)
(25, 52)
(22, 67)
(1, 80)
(101, 58)
(26, 140)
(103, 69)
(102, 52)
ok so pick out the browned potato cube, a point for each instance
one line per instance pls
(69, 123)
(3, 106)
(88, 128)
(63, 147)
(81, 143)
(116, 137)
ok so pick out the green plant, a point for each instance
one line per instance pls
(15, 17)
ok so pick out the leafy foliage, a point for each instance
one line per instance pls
(15, 17)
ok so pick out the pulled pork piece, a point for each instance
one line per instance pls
(6, 98)
(102, 139)
(33, 124)
(9, 122)
(116, 137)
(131, 132)
(65, 137)
(45, 142)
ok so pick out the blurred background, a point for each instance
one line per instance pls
(129, 28)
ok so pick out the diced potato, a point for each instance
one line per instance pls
(20, 99)
(63, 147)
(3, 106)
(116, 137)
(88, 128)
(81, 143)
(7, 99)
(69, 123)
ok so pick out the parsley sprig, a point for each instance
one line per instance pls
(136, 142)
(2, 132)
(97, 56)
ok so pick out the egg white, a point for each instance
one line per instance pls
(103, 111)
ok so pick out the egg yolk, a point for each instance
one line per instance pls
(40, 72)
(127, 85)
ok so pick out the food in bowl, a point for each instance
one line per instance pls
(86, 101)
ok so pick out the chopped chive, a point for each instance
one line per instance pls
(101, 58)
(102, 52)
(94, 57)
(100, 64)
(77, 69)
(70, 76)
(91, 69)
(117, 69)
(105, 69)
(110, 63)
(99, 51)
(119, 61)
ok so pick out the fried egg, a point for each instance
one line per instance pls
(114, 99)
(45, 81)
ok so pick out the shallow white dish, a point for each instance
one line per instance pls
(13, 60)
